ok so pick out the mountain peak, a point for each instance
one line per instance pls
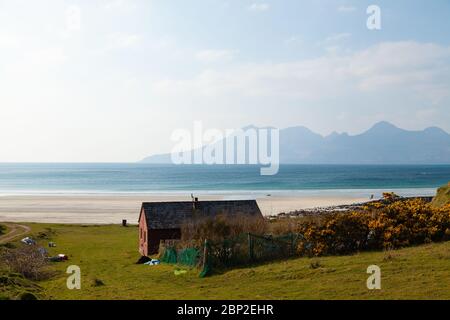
(436, 130)
(253, 127)
(384, 125)
(384, 143)
(335, 135)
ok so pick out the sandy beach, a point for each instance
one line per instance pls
(105, 209)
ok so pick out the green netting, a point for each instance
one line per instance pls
(169, 256)
(188, 257)
(241, 250)
(206, 271)
(249, 248)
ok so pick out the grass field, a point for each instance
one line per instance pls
(3, 229)
(443, 196)
(107, 254)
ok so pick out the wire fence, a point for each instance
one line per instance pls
(244, 249)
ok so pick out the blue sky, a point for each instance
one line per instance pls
(110, 80)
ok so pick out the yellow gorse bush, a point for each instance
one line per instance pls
(391, 224)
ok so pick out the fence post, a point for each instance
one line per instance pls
(205, 253)
(250, 246)
(292, 245)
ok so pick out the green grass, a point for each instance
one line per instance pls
(3, 229)
(442, 197)
(107, 256)
(15, 286)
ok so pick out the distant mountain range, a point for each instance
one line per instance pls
(384, 143)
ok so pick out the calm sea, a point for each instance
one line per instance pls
(145, 178)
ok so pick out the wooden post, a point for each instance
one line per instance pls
(250, 246)
(205, 253)
(292, 245)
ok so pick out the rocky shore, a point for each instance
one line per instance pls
(338, 208)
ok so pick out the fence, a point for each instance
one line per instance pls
(242, 250)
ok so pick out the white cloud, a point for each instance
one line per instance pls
(73, 18)
(418, 68)
(332, 44)
(346, 9)
(259, 7)
(9, 40)
(46, 57)
(123, 40)
(338, 37)
(210, 56)
(120, 4)
(32, 62)
(293, 40)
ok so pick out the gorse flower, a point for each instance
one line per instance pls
(380, 225)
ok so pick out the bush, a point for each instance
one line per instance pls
(27, 261)
(98, 283)
(2, 229)
(387, 226)
(13, 286)
(442, 197)
(47, 234)
(383, 225)
(220, 228)
(27, 296)
(8, 245)
(315, 264)
(285, 226)
(390, 197)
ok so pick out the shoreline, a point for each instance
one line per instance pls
(112, 208)
(412, 191)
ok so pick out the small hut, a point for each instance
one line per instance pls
(163, 220)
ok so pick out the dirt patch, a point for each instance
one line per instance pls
(15, 231)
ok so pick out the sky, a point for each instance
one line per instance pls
(110, 80)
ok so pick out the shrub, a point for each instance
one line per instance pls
(220, 228)
(387, 226)
(47, 234)
(442, 196)
(98, 283)
(390, 197)
(315, 264)
(285, 226)
(13, 286)
(27, 261)
(27, 296)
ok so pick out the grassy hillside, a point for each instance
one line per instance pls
(443, 196)
(107, 256)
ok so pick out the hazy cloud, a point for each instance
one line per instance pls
(73, 18)
(337, 37)
(259, 7)
(209, 56)
(119, 4)
(9, 40)
(346, 9)
(423, 69)
(123, 40)
(293, 40)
